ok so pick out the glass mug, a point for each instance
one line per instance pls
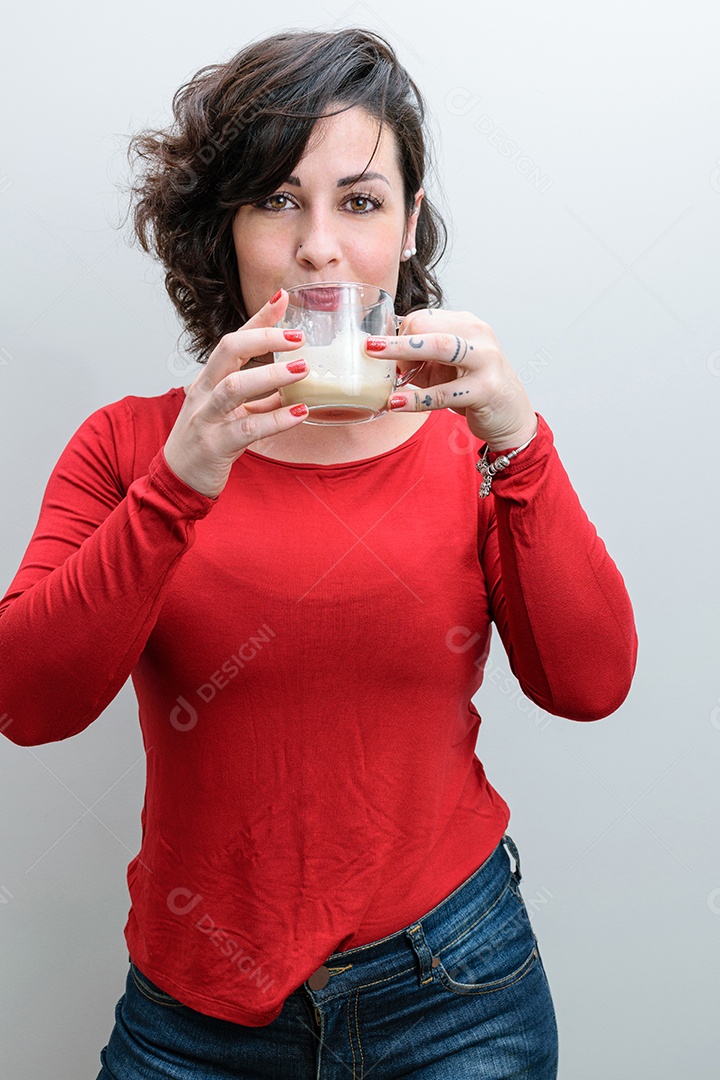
(343, 384)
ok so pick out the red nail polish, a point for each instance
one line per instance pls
(376, 344)
(276, 297)
(293, 335)
(299, 410)
(296, 366)
(397, 402)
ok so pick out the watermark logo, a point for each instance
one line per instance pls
(508, 685)
(715, 715)
(180, 365)
(186, 179)
(462, 102)
(459, 639)
(542, 897)
(183, 723)
(462, 441)
(715, 176)
(713, 363)
(181, 901)
(184, 715)
(527, 373)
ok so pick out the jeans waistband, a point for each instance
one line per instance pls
(399, 952)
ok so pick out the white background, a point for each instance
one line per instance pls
(579, 152)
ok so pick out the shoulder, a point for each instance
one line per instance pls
(148, 410)
(125, 434)
(135, 409)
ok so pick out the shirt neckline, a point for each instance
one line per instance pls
(431, 420)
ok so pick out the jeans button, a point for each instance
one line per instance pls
(319, 978)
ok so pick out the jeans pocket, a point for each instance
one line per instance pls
(494, 951)
(151, 991)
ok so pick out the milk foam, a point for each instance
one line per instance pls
(341, 373)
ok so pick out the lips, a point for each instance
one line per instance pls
(313, 298)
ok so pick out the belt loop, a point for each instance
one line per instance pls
(420, 946)
(510, 846)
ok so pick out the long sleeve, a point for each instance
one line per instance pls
(556, 597)
(304, 660)
(83, 603)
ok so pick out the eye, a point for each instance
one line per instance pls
(362, 203)
(277, 202)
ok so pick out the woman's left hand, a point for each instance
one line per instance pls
(464, 370)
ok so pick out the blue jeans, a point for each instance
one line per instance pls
(460, 993)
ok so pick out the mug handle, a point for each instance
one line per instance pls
(406, 376)
(404, 379)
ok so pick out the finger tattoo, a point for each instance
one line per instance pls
(416, 344)
(460, 343)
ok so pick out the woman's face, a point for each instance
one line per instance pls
(328, 222)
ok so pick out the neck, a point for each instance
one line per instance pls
(330, 444)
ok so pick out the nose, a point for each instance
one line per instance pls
(318, 241)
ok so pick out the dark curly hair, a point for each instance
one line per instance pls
(240, 129)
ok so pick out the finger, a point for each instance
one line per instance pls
(245, 429)
(263, 404)
(446, 395)
(432, 321)
(239, 386)
(269, 313)
(234, 351)
(442, 320)
(412, 348)
(415, 319)
(257, 337)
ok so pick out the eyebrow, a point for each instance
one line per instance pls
(345, 181)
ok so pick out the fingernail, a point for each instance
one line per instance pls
(293, 335)
(276, 297)
(299, 410)
(397, 402)
(376, 344)
(296, 366)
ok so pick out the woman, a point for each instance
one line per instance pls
(324, 880)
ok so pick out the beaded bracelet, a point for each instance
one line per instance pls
(488, 471)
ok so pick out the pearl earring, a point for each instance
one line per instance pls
(409, 252)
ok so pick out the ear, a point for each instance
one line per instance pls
(409, 241)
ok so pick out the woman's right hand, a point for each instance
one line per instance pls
(217, 420)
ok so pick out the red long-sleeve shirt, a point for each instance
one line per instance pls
(304, 649)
